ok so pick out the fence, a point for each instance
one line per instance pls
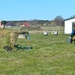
(52, 29)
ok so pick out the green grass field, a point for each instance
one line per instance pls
(50, 55)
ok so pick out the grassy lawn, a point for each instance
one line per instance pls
(51, 55)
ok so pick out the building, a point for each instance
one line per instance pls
(69, 25)
(1, 26)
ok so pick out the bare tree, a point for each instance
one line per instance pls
(59, 20)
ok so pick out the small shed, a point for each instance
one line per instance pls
(69, 24)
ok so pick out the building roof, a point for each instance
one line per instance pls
(69, 18)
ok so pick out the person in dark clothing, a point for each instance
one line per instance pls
(72, 35)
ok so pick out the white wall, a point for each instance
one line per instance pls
(68, 26)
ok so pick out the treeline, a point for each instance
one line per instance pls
(58, 20)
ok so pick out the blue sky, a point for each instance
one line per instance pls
(36, 9)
